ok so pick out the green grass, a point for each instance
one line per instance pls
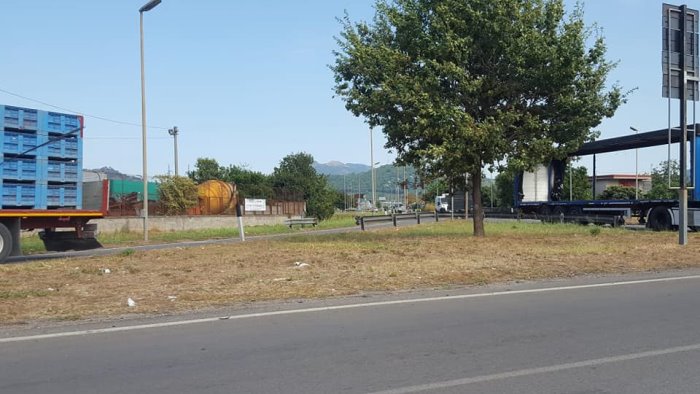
(460, 228)
(33, 245)
(446, 228)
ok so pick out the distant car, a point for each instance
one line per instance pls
(398, 208)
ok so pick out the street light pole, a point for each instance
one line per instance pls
(174, 131)
(147, 7)
(636, 168)
(371, 158)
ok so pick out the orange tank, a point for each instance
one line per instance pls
(216, 197)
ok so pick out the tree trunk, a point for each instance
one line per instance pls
(478, 216)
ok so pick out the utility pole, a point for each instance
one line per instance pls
(147, 7)
(636, 168)
(174, 131)
(371, 159)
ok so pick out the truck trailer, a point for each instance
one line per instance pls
(41, 179)
(451, 202)
(539, 192)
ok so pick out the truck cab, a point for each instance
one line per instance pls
(442, 203)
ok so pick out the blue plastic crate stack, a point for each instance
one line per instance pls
(41, 159)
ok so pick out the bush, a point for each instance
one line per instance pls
(177, 194)
(617, 193)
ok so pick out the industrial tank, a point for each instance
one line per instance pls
(215, 197)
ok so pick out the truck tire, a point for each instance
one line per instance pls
(660, 219)
(5, 242)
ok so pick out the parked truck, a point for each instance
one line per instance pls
(450, 202)
(539, 192)
(41, 181)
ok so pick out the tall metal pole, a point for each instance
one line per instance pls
(149, 6)
(594, 177)
(683, 191)
(177, 172)
(371, 158)
(636, 168)
(174, 132)
(143, 137)
(359, 192)
(466, 196)
(571, 181)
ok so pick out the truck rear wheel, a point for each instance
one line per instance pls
(5, 242)
(659, 219)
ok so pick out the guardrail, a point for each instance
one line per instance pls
(301, 222)
(394, 218)
(612, 220)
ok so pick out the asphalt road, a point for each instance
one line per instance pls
(640, 337)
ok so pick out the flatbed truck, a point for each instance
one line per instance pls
(41, 181)
(538, 192)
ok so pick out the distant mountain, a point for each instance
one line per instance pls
(387, 179)
(338, 168)
(114, 174)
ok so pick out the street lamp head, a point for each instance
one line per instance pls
(149, 6)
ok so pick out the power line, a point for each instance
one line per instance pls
(123, 138)
(79, 112)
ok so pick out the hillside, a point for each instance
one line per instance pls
(115, 174)
(387, 179)
(338, 168)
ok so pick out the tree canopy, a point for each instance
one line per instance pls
(618, 193)
(249, 183)
(579, 184)
(457, 85)
(294, 179)
(296, 174)
(660, 180)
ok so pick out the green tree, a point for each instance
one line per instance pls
(617, 193)
(339, 199)
(504, 188)
(434, 189)
(297, 175)
(660, 181)
(251, 184)
(489, 193)
(456, 85)
(581, 186)
(206, 169)
(177, 194)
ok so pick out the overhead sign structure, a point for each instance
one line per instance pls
(680, 70)
(255, 205)
(673, 50)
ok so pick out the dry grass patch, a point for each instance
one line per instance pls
(432, 255)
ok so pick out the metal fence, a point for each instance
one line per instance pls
(612, 220)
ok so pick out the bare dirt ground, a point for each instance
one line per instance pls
(308, 266)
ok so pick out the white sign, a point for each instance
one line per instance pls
(255, 205)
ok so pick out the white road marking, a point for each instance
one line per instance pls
(541, 370)
(339, 307)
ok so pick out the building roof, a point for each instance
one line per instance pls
(630, 177)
